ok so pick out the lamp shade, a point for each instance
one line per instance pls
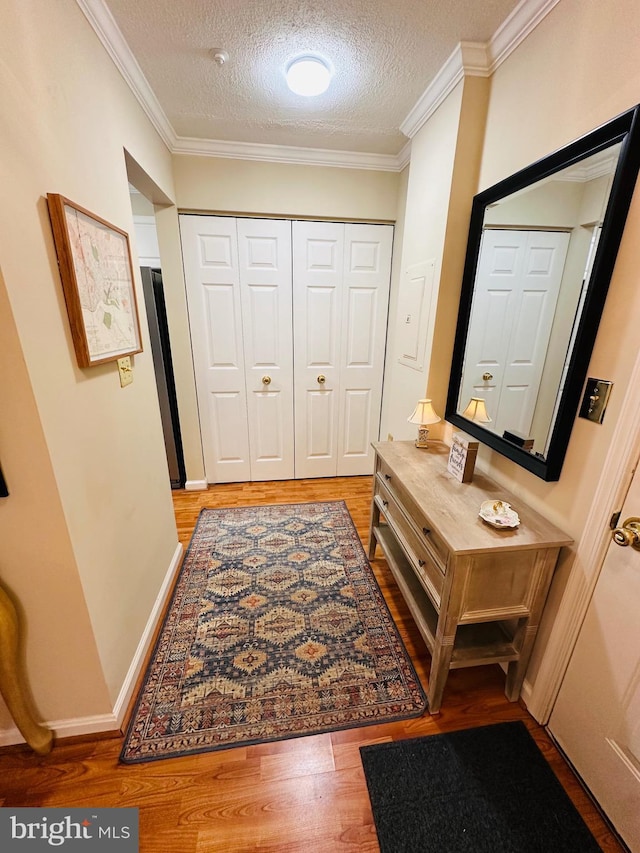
(477, 411)
(423, 414)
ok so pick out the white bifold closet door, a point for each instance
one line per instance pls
(238, 276)
(288, 327)
(518, 282)
(340, 303)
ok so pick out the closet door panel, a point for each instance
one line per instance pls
(226, 430)
(320, 437)
(264, 248)
(356, 423)
(210, 257)
(268, 448)
(365, 298)
(318, 249)
(224, 350)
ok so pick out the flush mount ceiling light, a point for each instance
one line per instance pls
(308, 75)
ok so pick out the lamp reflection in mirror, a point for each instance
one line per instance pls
(423, 414)
(476, 411)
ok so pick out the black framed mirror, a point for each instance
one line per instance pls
(541, 250)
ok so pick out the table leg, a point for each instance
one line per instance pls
(375, 521)
(439, 672)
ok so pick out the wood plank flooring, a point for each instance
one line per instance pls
(306, 795)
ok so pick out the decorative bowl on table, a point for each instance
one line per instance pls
(499, 514)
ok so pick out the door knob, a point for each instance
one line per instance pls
(322, 379)
(266, 380)
(487, 376)
(628, 534)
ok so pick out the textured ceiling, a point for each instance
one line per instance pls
(384, 52)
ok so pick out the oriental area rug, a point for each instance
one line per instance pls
(277, 628)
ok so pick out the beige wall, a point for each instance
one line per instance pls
(88, 533)
(473, 110)
(37, 564)
(575, 71)
(279, 189)
(389, 390)
(443, 173)
(425, 216)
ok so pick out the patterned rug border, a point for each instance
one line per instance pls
(200, 750)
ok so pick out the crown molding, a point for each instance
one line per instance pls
(287, 154)
(514, 30)
(598, 165)
(404, 156)
(477, 59)
(105, 27)
(468, 59)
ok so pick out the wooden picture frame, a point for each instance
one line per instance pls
(94, 258)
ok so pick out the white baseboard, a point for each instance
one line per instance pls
(111, 722)
(526, 695)
(66, 728)
(196, 485)
(131, 677)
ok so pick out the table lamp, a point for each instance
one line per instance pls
(476, 411)
(422, 415)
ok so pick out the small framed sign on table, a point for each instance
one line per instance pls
(462, 457)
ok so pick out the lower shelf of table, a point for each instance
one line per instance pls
(475, 644)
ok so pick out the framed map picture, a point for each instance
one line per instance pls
(97, 279)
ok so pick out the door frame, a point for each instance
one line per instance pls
(590, 554)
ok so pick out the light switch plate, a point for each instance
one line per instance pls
(596, 397)
(125, 370)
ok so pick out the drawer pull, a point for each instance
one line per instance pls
(385, 503)
(426, 531)
(387, 476)
(421, 563)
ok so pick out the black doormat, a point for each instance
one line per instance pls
(482, 790)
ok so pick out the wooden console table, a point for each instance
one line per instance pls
(476, 593)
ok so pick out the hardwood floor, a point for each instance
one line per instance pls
(306, 794)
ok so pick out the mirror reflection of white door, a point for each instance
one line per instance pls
(516, 292)
(596, 718)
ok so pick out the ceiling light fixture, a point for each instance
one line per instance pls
(308, 75)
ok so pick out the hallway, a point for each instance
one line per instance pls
(306, 794)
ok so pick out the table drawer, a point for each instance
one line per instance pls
(426, 565)
(422, 527)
